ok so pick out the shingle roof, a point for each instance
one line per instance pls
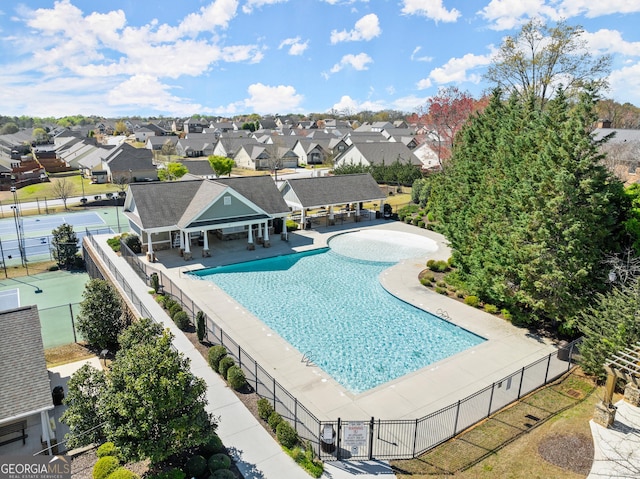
(23, 375)
(156, 213)
(333, 190)
(260, 190)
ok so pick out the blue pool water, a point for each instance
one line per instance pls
(333, 308)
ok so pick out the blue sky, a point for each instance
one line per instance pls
(230, 57)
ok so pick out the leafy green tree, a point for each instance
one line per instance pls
(221, 165)
(141, 331)
(540, 57)
(101, 317)
(528, 209)
(168, 148)
(40, 135)
(9, 128)
(172, 171)
(154, 407)
(84, 389)
(64, 246)
(609, 326)
(121, 128)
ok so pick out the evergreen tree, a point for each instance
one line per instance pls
(64, 246)
(101, 317)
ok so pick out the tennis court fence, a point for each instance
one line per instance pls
(356, 438)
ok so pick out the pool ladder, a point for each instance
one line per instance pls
(307, 359)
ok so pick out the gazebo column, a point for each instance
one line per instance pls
(357, 213)
(266, 243)
(205, 246)
(250, 245)
(46, 436)
(332, 220)
(150, 256)
(302, 219)
(284, 235)
(605, 412)
(187, 246)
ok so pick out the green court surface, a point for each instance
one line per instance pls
(58, 290)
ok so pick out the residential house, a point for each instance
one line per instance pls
(194, 148)
(200, 168)
(259, 156)
(428, 156)
(143, 133)
(155, 143)
(312, 152)
(127, 163)
(25, 424)
(378, 153)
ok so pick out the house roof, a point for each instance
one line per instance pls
(622, 135)
(190, 195)
(198, 167)
(334, 190)
(23, 375)
(126, 157)
(388, 152)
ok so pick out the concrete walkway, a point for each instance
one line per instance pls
(617, 449)
(255, 452)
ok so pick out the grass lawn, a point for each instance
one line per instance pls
(45, 190)
(551, 423)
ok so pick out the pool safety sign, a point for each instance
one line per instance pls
(355, 435)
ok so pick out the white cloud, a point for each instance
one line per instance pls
(367, 28)
(357, 62)
(592, 9)
(266, 99)
(456, 71)
(507, 14)
(252, 4)
(625, 84)
(349, 105)
(409, 103)
(216, 14)
(296, 47)
(432, 9)
(344, 2)
(416, 58)
(610, 41)
(145, 91)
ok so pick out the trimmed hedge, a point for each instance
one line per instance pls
(236, 378)
(196, 466)
(274, 420)
(123, 473)
(173, 473)
(223, 474)
(212, 446)
(286, 435)
(107, 449)
(224, 365)
(264, 408)
(215, 354)
(105, 466)
(181, 318)
(218, 461)
(473, 301)
(173, 309)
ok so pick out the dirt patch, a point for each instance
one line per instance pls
(573, 452)
(82, 465)
(68, 354)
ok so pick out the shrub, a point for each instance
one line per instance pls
(264, 408)
(451, 262)
(416, 220)
(441, 284)
(438, 266)
(174, 308)
(292, 225)
(506, 314)
(236, 377)
(218, 461)
(408, 219)
(107, 449)
(473, 301)
(430, 217)
(440, 290)
(196, 466)
(167, 302)
(173, 473)
(55, 267)
(215, 354)
(426, 282)
(123, 473)
(224, 365)
(223, 474)
(429, 277)
(451, 288)
(430, 263)
(212, 446)
(155, 282)
(105, 466)
(274, 420)
(200, 326)
(286, 435)
(420, 224)
(114, 243)
(305, 458)
(133, 243)
(181, 318)
(491, 308)
(461, 293)
(407, 211)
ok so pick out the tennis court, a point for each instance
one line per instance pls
(36, 232)
(57, 295)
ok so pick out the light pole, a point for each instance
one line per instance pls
(16, 218)
(115, 202)
(84, 199)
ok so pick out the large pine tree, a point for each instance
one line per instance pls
(529, 211)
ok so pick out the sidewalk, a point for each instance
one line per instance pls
(255, 452)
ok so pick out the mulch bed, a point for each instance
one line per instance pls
(572, 452)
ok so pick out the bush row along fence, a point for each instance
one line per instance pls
(370, 438)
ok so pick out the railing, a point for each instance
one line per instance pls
(369, 438)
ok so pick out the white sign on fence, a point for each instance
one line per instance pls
(355, 434)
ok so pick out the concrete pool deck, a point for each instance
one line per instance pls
(412, 396)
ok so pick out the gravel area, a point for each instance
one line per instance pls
(573, 452)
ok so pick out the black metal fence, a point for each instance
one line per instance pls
(370, 438)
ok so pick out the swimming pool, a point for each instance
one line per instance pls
(332, 308)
